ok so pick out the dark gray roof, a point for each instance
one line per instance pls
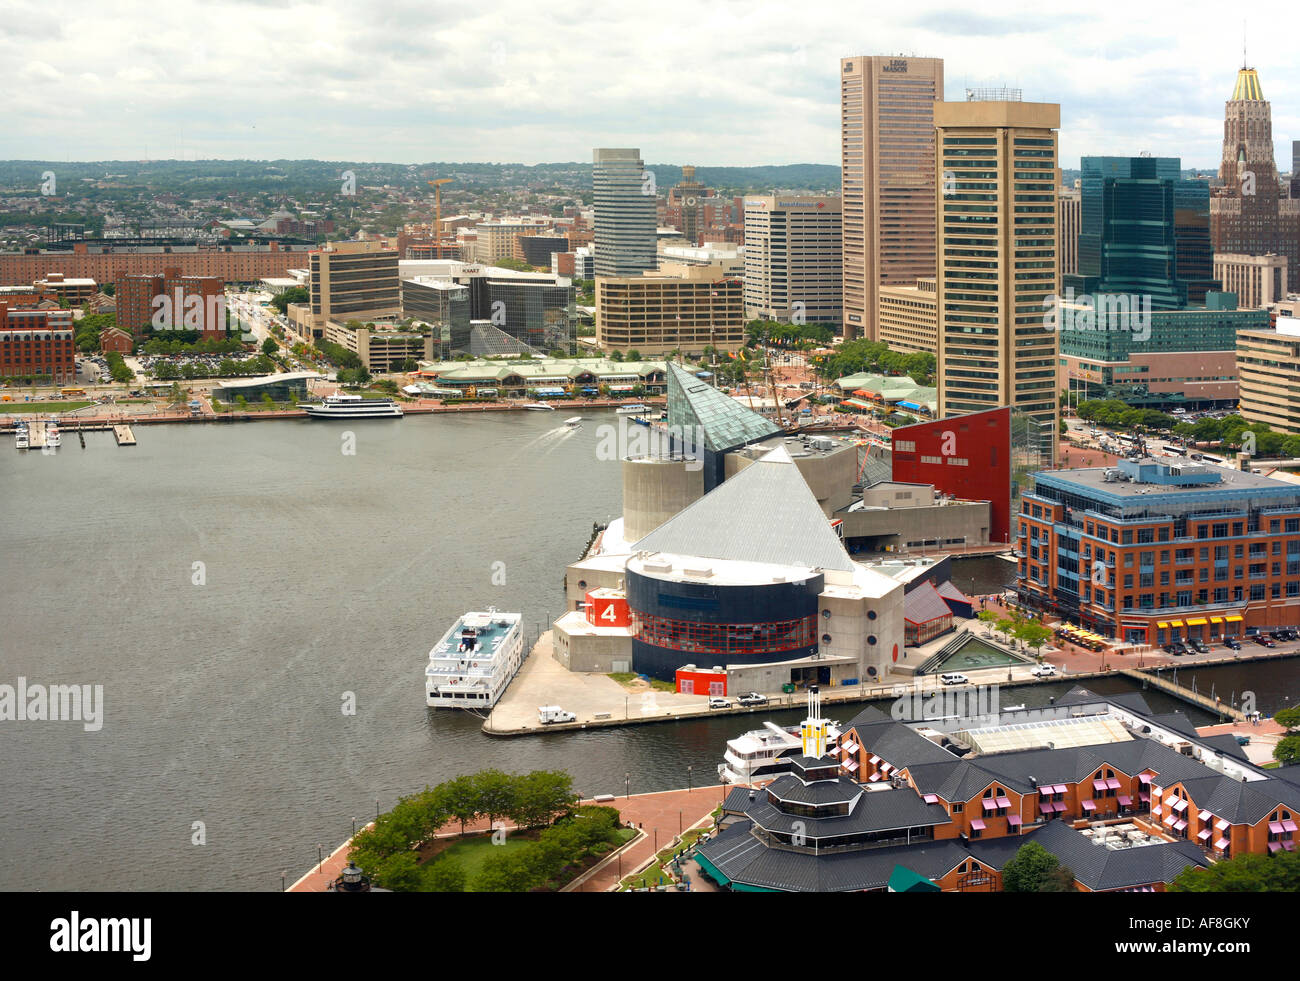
(960, 780)
(1178, 722)
(869, 714)
(898, 744)
(784, 524)
(1096, 866)
(1227, 744)
(791, 789)
(743, 858)
(924, 604)
(1132, 701)
(724, 422)
(878, 810)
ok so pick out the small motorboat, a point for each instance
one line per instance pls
(574, 422)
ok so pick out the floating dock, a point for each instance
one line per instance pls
(124, 435)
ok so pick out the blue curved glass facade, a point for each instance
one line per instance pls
(679, 623)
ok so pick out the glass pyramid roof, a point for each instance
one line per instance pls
(724, 422)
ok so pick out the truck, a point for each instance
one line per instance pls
(553, 713)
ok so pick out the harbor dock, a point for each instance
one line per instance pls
(124, 435)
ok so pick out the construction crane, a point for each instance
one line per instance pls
(437, 198)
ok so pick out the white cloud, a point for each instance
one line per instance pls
(727, 82)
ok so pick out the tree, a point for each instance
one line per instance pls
(633, 355)
(269, 346)
(1287, 718)
(1287, 750)
(267, 400)
(496, 794)
(1030, 869)
(460, 796)
(987, 617)
(539, 796)
(1244, 873)
(1033, 634)
(444, 875)
(1060, 879)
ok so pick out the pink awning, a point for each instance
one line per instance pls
(1060, 788)
(931, 798)
(1204, 834)
(1180, 805)
(850, 765)
(1275, 846)
(874, 759)
(885, 767)
(1004, 802)
(873, 777)
(990, 804)
(1046, 807)
(1155, 809)
(1099, 785)
(1112, 783)
(1013, 820)
(977, 825)
(1221, 844)
(835, 750)
(1143, 795)
(1221, 824)
(1275, 827)
(1288, 826)
(1180, 825)
(1088, 805)
(1125, 800)
(1144, 778)
(1289, 845)
(850, 747)
(1170, 819)
(1204, 816)
(1060, 806)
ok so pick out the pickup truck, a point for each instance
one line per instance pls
(752, 698)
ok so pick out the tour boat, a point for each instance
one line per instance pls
(632, 410)
(539, 407)
(347, 406)
(471, 665)
(573, 422)
(763, 753)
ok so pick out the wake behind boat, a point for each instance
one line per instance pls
(347, 406)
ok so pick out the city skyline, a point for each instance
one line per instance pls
(406, 85)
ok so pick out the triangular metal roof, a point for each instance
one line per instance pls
(765, 513)
(724, 422)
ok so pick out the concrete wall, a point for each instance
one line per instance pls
(591, 652)
(898, 526)
(654, 490)
(578, 581)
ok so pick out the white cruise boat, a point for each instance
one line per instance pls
(758, 755)
(20, 438)
(52, 437)
(632, 410)
(348, 406)
(471, 665)
(539, 407)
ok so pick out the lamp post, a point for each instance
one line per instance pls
(690, 784)
(627, 786)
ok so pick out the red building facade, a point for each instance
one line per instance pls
(37, 343)
(966, 456)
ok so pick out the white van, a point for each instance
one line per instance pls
(553, 713)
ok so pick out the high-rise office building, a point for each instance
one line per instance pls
(997, 272)
(686, 308)
(624, 196)
(686, 201)
(1069, 218)
(353, 281)
(1140, 229)
(792, 259)
(1249, 215)
(1295, 169)
(888, 178)
(1258, 280)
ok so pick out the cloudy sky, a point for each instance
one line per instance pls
(721, 82)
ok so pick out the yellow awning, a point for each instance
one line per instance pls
(1162, 624)
(1198, 622)
(1216, 619)
(1175, 623)
(1234, 619)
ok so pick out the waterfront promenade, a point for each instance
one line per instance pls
(661, 816)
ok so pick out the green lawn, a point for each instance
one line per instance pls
(622, 677)
(42, 406)
(472, 852)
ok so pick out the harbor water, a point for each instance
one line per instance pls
(258, 602)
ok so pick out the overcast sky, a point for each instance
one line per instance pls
(711, 82)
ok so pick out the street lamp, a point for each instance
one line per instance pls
(690, 785)
(627, 786)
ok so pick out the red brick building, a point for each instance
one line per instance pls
(169, 300)
(115, 339)
(37, 342)
(108, 264)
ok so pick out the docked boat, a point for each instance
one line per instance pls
(633, 410)
(763, 754)
(344, 405)
(52, 437)
(20, 438)
(471, 665)
(573, 422)
(539, 407)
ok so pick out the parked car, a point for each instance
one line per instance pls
(752, 698)
(719, 703)
(1263, 641)
(1198, 646)
(1176, 647)
(1044, 671)
(1232, 643)
(954, 679)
